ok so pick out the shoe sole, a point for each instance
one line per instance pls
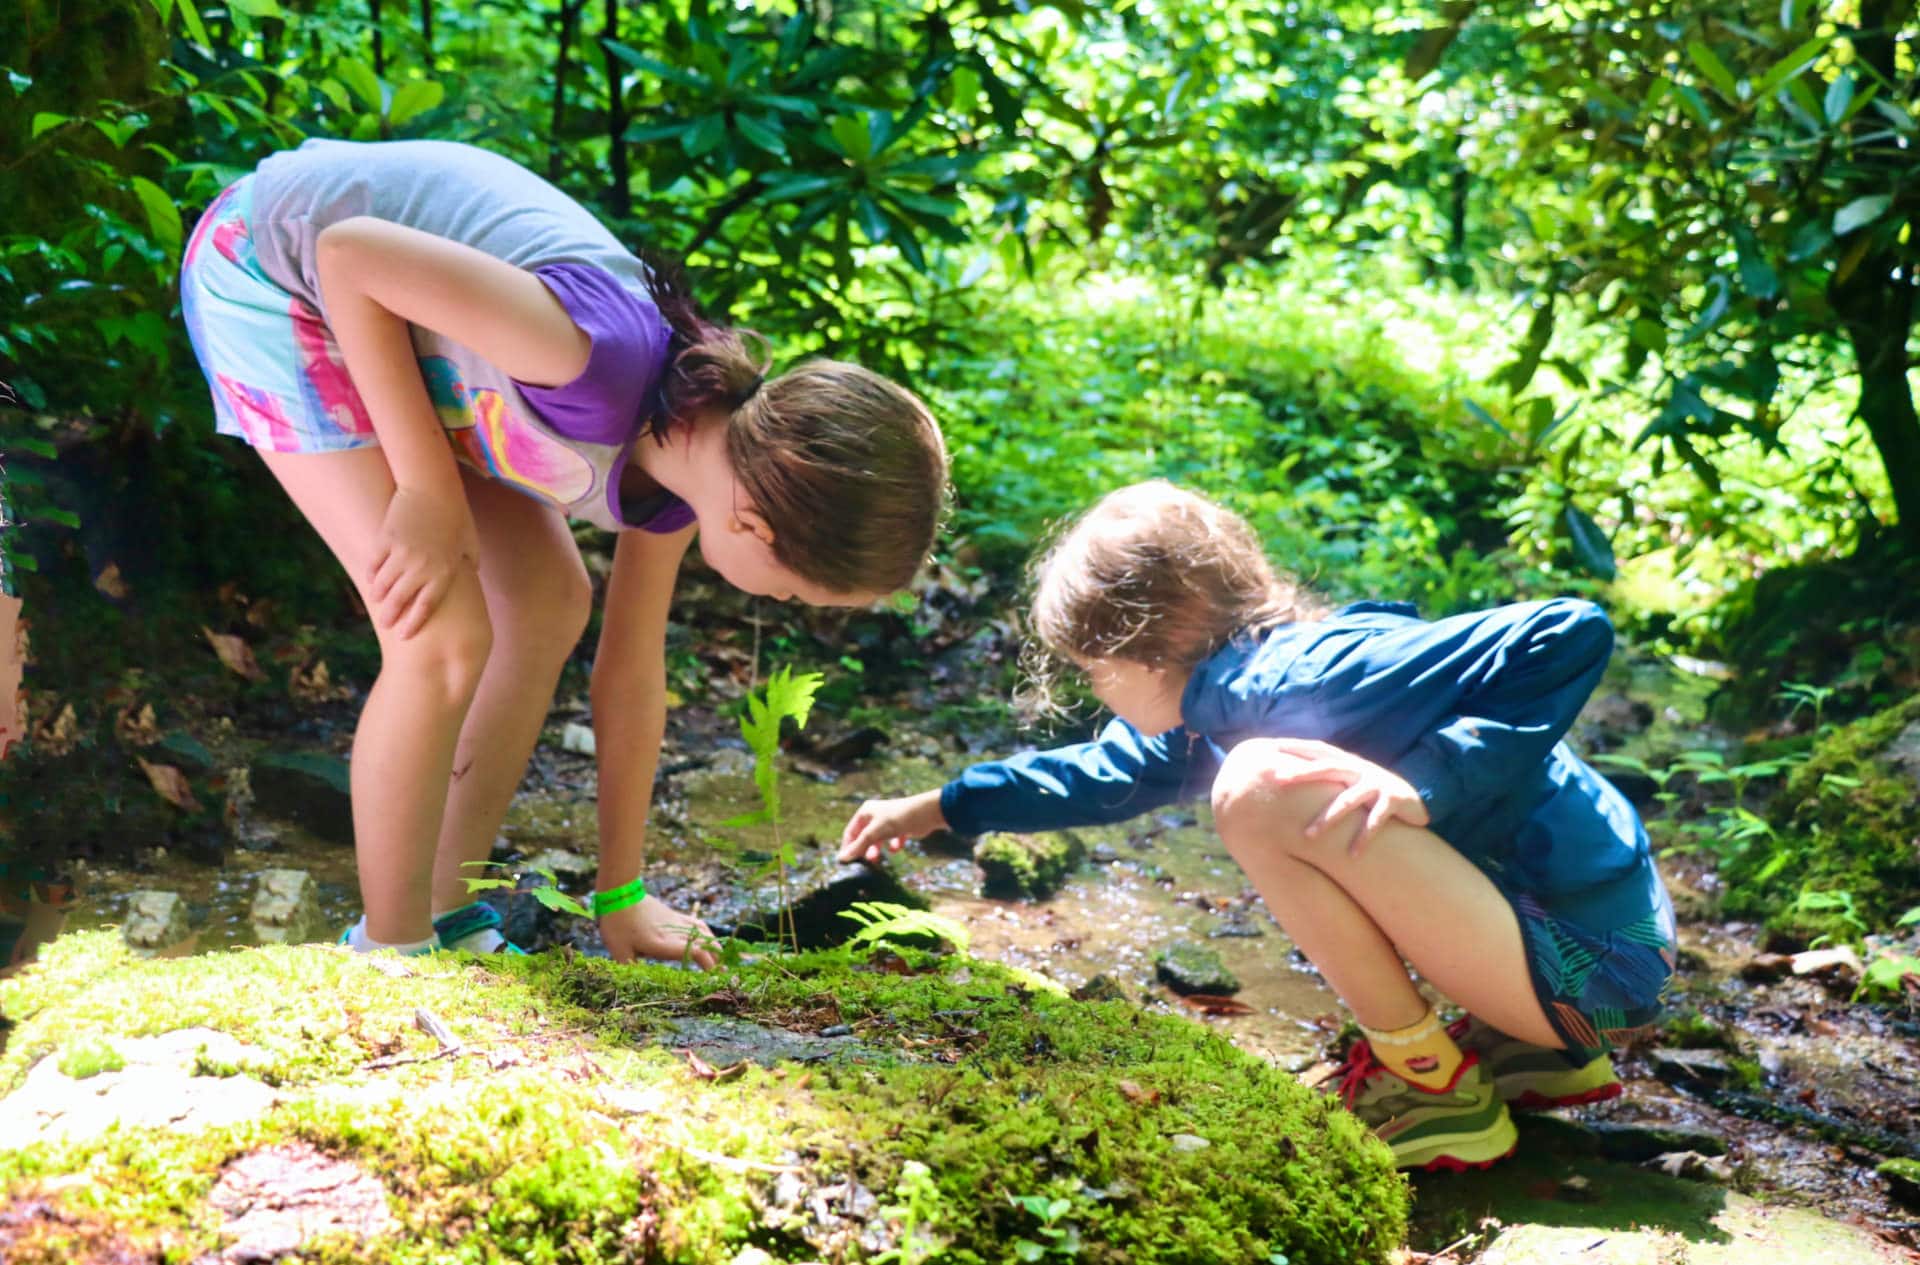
(1461, 1151)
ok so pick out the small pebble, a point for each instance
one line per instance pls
(837, 1030)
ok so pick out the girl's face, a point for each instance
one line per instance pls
(1145, 697)
(735, 537)
(737, 542)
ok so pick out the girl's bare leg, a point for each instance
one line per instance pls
(538, 599)
(1408, 895)
(404, 744)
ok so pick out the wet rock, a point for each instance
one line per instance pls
(851, 747)
(1618, 713)
(564, 863)
(156, 921)
(308, 788)
(1626, 1142)
(1236, 925)
(946, 843)
(1577, 1189)
(1101, 988)
(731, 762)
(1839, 966)
(280, 1199)
(1188, 1142)
(818, 887)
(1693, 1069)
(723, 1042)
(1191, 968)
(1027, 866)
(1103, 854)
(1903, 1180)
(286, 908)
(577, 738)
(184, 1080)
(1765, 967)
(1693, 1166)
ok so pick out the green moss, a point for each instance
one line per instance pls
(575, 1131)
(89, 1056)
(1029, 866)
(1691, 1030)
(1845, 823)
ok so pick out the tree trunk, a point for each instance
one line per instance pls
(426, 26)
(569, 20)
(619, 183)
(379, 49)
(1875, 307)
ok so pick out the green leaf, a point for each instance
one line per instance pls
(1839, 97)
(792, 186)
(1808, 240)
(872, 222)
(706, 134)
(190, 15)
(163, 217)
(1485, 418)
(414, 98)
(165, 9)
(359, 77)
(45, 120)
(1714, 69)
(1590, 544)
(257, 8)
(1789, 66)
(760, 134)
(655, 67)
(332, 90)
(850, 132)
(1860, 212)
(1757, 276)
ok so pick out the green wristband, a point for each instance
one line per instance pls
(625, 896)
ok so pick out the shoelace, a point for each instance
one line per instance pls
(1359, 1068)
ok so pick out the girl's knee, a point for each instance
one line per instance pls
(546, 622)
(1252, 807)
(447, 656)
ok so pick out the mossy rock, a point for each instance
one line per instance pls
(1027, 866)
(572, 1124)
(1845, 828)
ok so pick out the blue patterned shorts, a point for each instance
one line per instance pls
(1600, 990)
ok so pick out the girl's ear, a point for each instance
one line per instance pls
(750, 519)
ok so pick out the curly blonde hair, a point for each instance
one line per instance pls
(1151, 574)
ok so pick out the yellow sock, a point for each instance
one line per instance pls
(1421, 1053)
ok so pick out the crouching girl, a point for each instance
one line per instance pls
(1396, 789)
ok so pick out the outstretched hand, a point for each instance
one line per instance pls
(1383, 794)
(888, 824)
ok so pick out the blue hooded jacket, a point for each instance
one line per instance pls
(1470, 710)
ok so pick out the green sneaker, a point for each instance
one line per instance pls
(1462, 1126)
(457, 924)
(1532, 1077)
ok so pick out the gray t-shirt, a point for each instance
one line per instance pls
(567, 445)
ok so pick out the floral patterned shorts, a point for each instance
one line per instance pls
(278, 378)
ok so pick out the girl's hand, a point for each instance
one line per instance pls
(1384, 794)
(654, 929)
(424, 541)
(889, 823)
